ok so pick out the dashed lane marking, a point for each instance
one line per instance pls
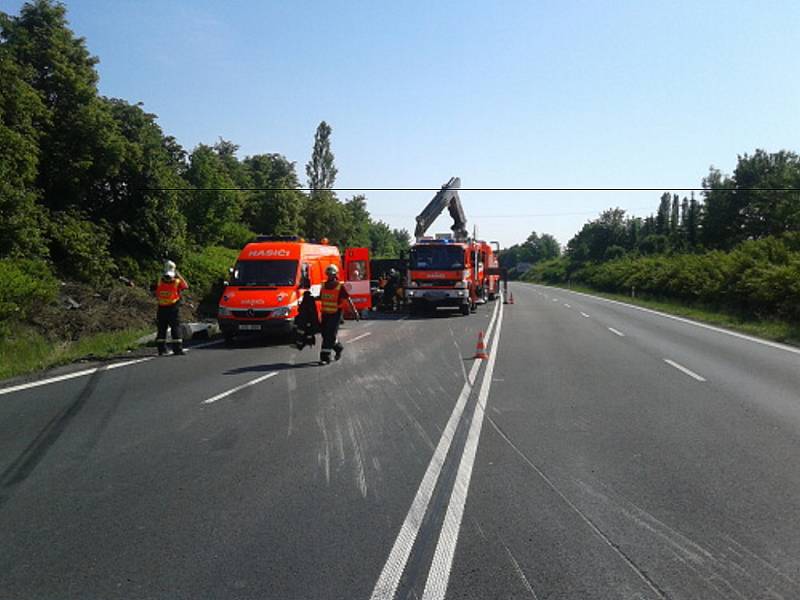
(735, 334)
(360, 337)
(240, 387)
(683, 369)
(616, 332)
(585, 315)
(567, 306)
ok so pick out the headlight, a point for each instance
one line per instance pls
(224, 311)
(283, 311)
(410, 293)
(413, 284)
(459, 293)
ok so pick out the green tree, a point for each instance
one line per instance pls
(20, 109)
(663, 214)
(320, 169)
(325, 217)
(402, 241)
(145, 216)
(78, 143)
(358, 222)
(276, 208)
(208, 208)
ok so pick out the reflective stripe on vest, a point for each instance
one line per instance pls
(330, 299)
(168, 292)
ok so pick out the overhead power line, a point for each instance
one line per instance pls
(482, 189)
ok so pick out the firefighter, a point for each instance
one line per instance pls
(390, 290)
(168, 293)
(332, 295)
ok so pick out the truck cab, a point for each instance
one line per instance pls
(441, 273)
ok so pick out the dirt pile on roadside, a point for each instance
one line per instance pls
(82, 310)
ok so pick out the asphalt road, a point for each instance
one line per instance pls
(601, 451)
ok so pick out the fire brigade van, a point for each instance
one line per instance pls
(270, 276)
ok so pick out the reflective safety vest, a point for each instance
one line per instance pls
(169, 292)
(330, 299)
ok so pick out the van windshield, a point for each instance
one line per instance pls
(437, 257)
(265, 272)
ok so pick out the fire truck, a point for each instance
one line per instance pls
(271, 275)
(450, 270)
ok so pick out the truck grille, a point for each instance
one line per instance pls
(251, 314)
(437, 283)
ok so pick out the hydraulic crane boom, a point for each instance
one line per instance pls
(446, 197)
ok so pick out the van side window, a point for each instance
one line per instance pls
(305, 276)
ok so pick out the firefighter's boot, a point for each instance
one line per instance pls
(177, 347)
(338, 351)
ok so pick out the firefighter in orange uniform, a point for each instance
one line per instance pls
(333, 295)
(168, 292)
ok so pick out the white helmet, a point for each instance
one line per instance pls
(332, 270)
(170, 269)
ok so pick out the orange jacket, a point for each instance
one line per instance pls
(168, 293)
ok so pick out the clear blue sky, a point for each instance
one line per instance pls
(509, 94)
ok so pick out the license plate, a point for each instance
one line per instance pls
(249, 327)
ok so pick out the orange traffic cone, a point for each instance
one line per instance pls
(480, 349)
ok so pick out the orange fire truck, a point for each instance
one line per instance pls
(271, 275)
(450, 270)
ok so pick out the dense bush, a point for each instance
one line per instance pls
(758, 277)
(80, 248)
(24, 285)
(205, 270)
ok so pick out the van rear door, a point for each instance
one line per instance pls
(357, 276)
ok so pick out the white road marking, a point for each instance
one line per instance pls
(439, 574)
(204, 345)
(567, 305)
(240, 387)
(619, 333)
(390, 576)
(65, 377)
(690, 373)
(735, 334)
(84, 372)
(555, 299)
(360, 337)
(585, 315)
(127, 363)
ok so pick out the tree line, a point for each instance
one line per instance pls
(736, 246)
(93, 187)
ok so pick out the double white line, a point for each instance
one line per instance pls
(439, 573)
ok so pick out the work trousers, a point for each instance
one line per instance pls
(330, 330)
(167, 316)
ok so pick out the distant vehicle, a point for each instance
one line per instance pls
(270, 276)
(450, 270)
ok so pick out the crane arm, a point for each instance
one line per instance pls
(446, 197)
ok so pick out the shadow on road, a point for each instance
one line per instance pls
(265, 368)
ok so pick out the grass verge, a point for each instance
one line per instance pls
(23, 350)
(777, 331)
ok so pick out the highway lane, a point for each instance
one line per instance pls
(607, 473)
(126, 484)
(575, 463)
